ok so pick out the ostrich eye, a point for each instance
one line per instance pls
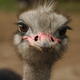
(22, 27)
(63, 29)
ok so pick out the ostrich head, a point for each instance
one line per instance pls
(41, 35)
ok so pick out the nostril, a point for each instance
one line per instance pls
(36, 38)
(52, 39)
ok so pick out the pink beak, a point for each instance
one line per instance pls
(42, 39)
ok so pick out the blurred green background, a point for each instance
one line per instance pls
(67, 5)
(8, 5)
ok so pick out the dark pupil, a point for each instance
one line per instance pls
(62, 32)
(23, 27)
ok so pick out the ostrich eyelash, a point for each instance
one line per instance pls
(63, 29)
(22, 27)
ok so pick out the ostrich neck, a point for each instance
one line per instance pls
(37, 72)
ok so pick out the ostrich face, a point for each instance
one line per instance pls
(40, 32)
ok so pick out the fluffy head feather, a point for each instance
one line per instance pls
(41, 18)
(48, 5)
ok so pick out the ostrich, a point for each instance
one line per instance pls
(40, 39)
